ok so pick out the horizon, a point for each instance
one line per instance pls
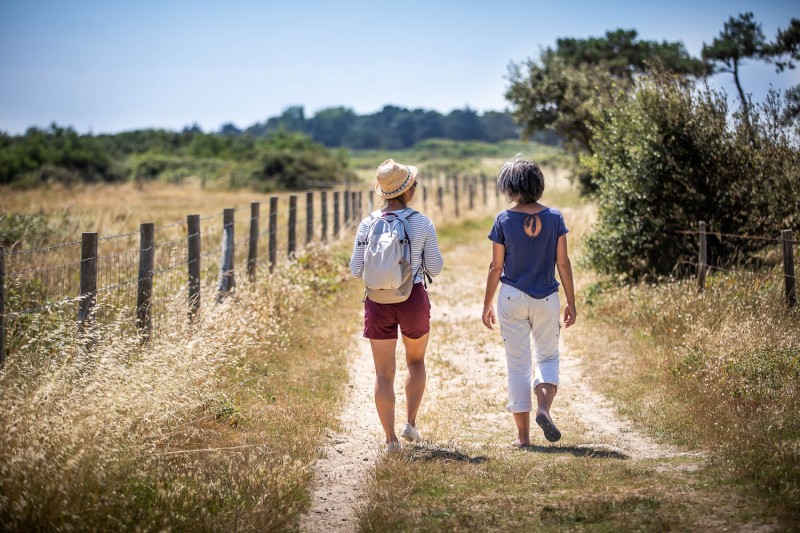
(111, 68)
(243, 128)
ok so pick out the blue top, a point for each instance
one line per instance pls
(530, 242)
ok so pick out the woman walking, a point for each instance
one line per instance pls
(529, 242)
(397, 184)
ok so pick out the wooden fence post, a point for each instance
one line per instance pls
(88, 297)
(323, 198)
(788, 268)
(227, 280)
(424, 198)
(144, 292)
(346, 200)
(483, 187)
(455, 196)
(193, 230)
(252, 249)
(2, 306)
(360, 202)
(703, 259)
(335, 215)
(292, 226)
(440, 198)
(309, 217)
(471, 194)
(273, 232)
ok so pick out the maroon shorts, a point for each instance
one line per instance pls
(413, 316)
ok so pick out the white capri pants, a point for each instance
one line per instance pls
(520, 315)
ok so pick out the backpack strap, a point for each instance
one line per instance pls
(374, 216)
(404, 215)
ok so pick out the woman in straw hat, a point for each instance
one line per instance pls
(397, 185)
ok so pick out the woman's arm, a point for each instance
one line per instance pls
(431, 253)
(565, 273)
(357, 257)
(492, 281)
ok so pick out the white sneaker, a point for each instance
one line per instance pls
(392, 447)
(409, 432)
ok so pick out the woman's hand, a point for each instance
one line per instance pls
(570, 314)
(489, 317)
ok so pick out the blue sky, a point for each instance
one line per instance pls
(108, 66)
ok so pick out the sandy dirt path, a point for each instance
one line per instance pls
(350, 452)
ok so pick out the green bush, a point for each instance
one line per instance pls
(278, 161)
(669, 155)
(294, 161)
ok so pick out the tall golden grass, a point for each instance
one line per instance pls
(210, 425)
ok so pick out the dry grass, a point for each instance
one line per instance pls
(718, 370)
(210, 426)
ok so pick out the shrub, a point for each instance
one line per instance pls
(294, 161)
(669, 155)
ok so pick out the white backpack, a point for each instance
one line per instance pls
(387, 257)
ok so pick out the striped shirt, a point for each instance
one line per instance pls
(423, 239)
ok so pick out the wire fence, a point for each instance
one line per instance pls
(778, 250)
(118, 278)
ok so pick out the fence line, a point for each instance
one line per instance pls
(786, 239)
(140, 284)
(732, 236)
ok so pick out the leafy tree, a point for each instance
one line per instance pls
(292, 119)
(294, 161)
(392, 127)
(741, 38)
(786, 48)
(331, 124)
(561, 88)
(670, 154)
(229, 129)
(498, 126)
(464, 125)
(786, 51)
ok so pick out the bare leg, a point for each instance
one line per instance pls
(545, 392)
(383, 353)
(523, 421)
(415, 381)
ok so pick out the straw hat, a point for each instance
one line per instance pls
(393, 179)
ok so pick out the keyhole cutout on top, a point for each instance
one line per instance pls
(533, 225)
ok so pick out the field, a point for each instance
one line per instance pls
(679, 411)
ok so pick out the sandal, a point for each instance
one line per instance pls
(551, 432)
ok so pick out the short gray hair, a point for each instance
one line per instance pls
(521, 180)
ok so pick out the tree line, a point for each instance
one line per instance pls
(289, 150)
(390, 128)
(280, 160)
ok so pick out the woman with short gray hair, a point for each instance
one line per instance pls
(529, 242)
